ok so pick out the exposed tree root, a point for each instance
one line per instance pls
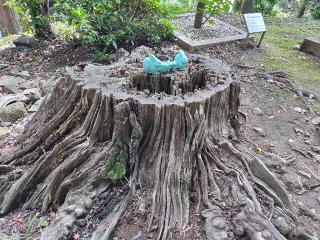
(88, 135)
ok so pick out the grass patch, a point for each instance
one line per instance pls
(279, 52)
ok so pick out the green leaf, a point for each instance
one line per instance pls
(211, 21)
(271, 142)
(114, 44)
(43, 222)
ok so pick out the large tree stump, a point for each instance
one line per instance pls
(115, 128)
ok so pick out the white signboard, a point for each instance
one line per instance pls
(255, 22)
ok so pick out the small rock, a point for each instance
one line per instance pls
(266, 234)
(317, 158)
(298, 130)
(23, 74)
(13, 112)
(30, 95)
(25, 41)
(146, 91)
(304, 174)
(282, 225)
(47, 85)
(293, 181)
(257, 111)
(36, 105)
(219, 223)
(307, 142)
(11, 83)
(4, 132)
(82, 222)
(3, 66)
(290, 140)
(307, 134)
(315, 148)
(80, 212)
(316, 121)
(137, 237)
(299, 110)
(260, 131)
(222, 235)
(296, 47)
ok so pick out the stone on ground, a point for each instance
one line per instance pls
(11, 83)
(25, 41)
(4, 131)
(36, 105)
(7, 99)
(24, 74)
(13, 112)
(260, 131)
(293, 181)
(30, 95)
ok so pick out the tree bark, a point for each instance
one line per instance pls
(303, 8)
(248, 6)
(8, 20)
(94, 133)
(199, 15)
(237, 5)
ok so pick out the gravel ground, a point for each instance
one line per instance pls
(207, 31)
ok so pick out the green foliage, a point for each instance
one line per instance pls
(117, 23)
(43, 222)
(101, 56)
(215, 7)
(118, 168)
(33, 16)
(315, 9)
(266, 6)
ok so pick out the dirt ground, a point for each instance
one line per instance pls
(275, 120)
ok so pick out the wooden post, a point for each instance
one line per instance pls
(262, 36)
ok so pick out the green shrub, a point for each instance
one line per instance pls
(315, 9)
(266, 6)
(34, 16)
(115, 23)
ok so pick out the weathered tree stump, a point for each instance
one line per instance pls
(170, 134)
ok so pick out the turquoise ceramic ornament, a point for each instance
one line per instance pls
(154, 65)
(181, 60)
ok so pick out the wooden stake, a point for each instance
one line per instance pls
(262, 36)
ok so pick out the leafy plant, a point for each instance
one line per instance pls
(115, 23)
(315, 9)
(265, 6)
(208, 8)
(43, 222)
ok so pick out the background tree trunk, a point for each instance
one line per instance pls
(248, 6)
(199, 15)
(8, 20)
(303, 8)
(237, 5)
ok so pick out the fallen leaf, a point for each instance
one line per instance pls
(76, 236)
(259, 149)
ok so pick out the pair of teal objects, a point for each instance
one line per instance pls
(153, 65)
